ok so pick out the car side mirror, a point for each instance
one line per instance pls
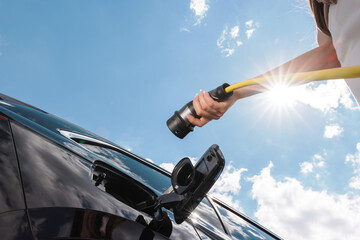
(191, 183)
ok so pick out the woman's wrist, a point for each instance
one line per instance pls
(248, 91)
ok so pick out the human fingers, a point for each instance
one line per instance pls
(217, 109)
(208, 109)
(196, 121)
(199, 108)
(197, 105)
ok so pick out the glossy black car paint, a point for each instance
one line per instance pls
(12, 196)
(57, 186)
(14, 222)
(47, 191)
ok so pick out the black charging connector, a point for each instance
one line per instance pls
(179, 124)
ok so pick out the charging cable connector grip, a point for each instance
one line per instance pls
(179, 123)
(219, 94)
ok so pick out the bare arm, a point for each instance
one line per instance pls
(322, 57)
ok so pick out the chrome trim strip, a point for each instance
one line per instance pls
(72, 135)
(5, 103)
(218, 215)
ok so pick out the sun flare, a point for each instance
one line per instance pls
(281, 95)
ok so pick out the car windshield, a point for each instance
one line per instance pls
(131, 166)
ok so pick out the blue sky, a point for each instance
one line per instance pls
(121, 68)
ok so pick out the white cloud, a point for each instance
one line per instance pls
(234, 32)
(228, 51)
(306, 167)
(225, 44)
(199, 7)
(167, 166)
(317, 161)
(124, 145)
(249, 23)
(129, 143)
(325, 97)
(354, 159)
(294, 212)
(251, 27)
(250, 32)
(355, 182)
(222, 38)
(332, 131)
(184, 30)
(239, 43)
(321, 164)
(229, 181)
(328, 96)
(170, 166)
(193, 160)
(227, 187)
(231, 39)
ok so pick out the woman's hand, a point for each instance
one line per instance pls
(209, 109)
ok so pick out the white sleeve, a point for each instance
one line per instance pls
(344, 25)
(354, 85)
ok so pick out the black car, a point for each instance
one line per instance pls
(59, 181)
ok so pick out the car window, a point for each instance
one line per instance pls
(131, 166)
(205, 214)
(239, 228)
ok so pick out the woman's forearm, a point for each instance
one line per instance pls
(322, 57)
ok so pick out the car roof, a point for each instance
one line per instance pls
(43, 118)
(50, 126)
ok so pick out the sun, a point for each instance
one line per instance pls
(279, 104)
(281, 95)
(281, 100)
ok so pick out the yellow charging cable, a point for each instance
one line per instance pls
(303, 77)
